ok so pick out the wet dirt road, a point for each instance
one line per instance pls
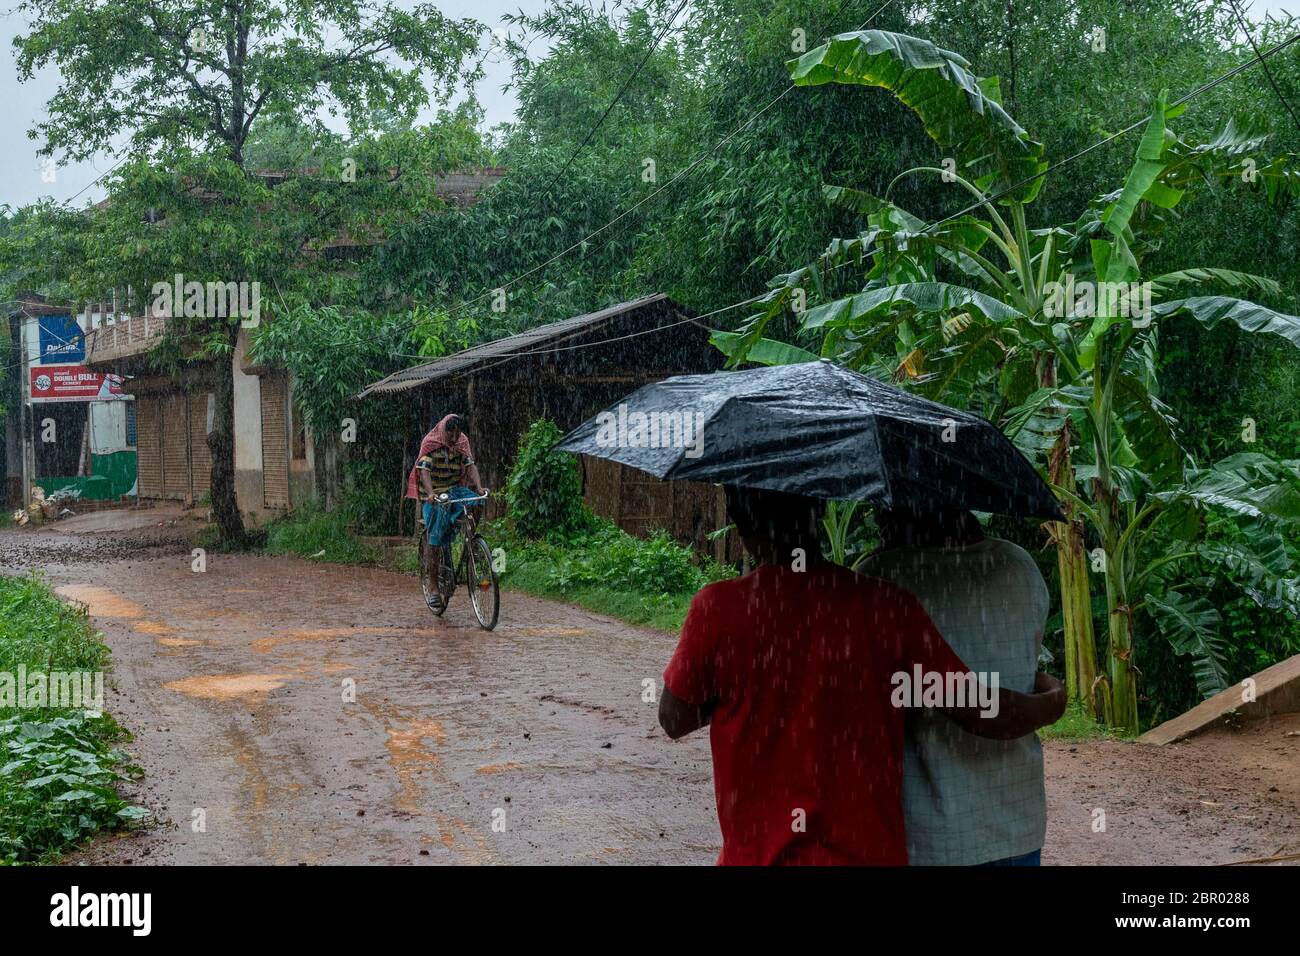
(235, 684)
(292, 712)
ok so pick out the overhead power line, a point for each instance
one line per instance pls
(1259, 58)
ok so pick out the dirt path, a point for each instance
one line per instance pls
(236, 684)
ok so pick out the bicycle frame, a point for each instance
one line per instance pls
(460, 569)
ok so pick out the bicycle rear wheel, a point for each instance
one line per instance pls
(484, 592)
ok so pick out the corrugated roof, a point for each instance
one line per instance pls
(504, 349)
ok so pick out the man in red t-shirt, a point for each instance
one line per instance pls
(796, 667)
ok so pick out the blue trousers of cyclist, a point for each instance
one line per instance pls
(440, 517)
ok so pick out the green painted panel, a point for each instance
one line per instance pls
(113, 476)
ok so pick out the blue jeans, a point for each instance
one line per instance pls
(441, 520)
(1034, 858)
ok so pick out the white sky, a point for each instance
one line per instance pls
(21, 179)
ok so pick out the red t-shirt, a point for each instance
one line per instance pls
(803, 731)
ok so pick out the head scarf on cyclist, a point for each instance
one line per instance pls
(437, 438)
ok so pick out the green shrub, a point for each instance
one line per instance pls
(58, 770)
(612, 558)
(606, 570)
(57, 778)
(544, 490)
(313, 533)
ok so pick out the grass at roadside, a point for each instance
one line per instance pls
(649, 583)
(322, 535)
(531, 573)
(1075, 725)
(58, 767)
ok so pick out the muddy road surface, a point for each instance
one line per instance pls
(291, 712)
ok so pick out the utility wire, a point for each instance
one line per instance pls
(614, 102)
(1272, 81)
(1258, 58)
(580, 243)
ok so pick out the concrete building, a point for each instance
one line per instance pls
(174, 416)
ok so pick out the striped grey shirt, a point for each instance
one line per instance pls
(966, 799)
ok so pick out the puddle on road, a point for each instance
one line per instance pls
(229, 686)
(101, 601)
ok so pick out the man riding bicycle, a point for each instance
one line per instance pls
(444, 465)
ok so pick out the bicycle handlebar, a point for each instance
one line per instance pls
(445, 498)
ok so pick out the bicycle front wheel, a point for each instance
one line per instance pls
(484, 592)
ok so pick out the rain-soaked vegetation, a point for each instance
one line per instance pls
(915, 202)
(58, 765)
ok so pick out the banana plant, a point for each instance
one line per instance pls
(972, 309)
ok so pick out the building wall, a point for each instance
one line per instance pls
(248, 436)
(175, 417)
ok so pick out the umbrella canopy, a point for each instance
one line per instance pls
(819, 430)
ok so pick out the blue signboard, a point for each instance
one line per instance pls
(62, 341)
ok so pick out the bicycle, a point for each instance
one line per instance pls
(466, 558)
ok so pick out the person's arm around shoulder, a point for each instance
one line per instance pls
(1018, 715)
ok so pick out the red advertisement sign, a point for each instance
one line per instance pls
(74, 383)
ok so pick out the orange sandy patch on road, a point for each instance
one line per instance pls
(499, 767)
(409, 756)
(475, 850)
(264, 644)
(101, 601)
(229, 686)
(549, 631)
(177, 642)
(152, 627)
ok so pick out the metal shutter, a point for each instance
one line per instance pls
(176, 446)
(148, 448)
(200, 454)
(275, 440)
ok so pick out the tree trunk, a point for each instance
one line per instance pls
(221, 443)
(1076, 594)
(1072, 567)
(1123, 685)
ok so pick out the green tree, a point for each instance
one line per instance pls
(994, 331)
(186, 82)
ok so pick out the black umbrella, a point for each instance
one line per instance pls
(820, 430)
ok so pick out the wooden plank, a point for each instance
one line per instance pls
(1276, 691)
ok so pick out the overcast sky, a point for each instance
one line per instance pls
(21, 171)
